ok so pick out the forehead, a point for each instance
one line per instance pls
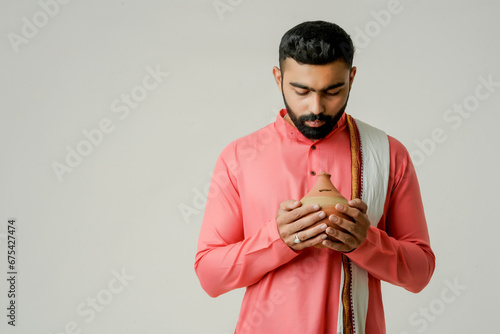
(315, 75)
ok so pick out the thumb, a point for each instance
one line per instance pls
(290, 204)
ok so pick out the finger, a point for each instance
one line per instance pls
(291, 222)
(298, 213)
(337, 246)
(289, 205)
(310, 232)
(284, 208)
(342, 241)
(343, 237)
(358, 204)
(309, 242)
(302, 221)
(353, 228)
(355, 213)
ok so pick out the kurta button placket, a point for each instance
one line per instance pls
(313, 160)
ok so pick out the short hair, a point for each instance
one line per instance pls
(316, 43)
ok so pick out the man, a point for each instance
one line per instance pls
(256, 234)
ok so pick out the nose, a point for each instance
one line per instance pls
(316, 104)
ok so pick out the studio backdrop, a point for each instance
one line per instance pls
(113, 113)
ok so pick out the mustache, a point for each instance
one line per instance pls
(313, 117)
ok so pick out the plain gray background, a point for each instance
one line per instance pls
(133, 203)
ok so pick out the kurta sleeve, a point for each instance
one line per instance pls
(398, 250)
(226, 258)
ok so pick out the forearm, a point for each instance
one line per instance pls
(222, 267)
(398, 250)
(406, 263)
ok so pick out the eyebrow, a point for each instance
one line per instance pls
(335, 85)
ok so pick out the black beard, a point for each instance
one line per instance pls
(319, 132)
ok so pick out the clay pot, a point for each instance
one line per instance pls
(327, 196)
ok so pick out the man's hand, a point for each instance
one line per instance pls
(296, 220)
(356, 231)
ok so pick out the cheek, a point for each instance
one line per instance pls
(296, 102)
(338, 101)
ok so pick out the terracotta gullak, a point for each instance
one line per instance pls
(326, 196)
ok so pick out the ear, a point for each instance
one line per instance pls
(277, 77)
(352, 75)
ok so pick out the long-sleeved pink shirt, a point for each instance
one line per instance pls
(298, 291)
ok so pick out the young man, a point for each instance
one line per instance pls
(256, 234)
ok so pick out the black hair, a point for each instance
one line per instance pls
(316, 43)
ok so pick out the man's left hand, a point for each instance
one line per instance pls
(355, 231)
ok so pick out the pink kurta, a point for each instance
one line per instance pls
(298, 292)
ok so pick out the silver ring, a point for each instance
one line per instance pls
(297, 240)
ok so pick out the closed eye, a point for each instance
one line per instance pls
(302, 93)
(332, 93)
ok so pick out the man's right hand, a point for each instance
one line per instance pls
(296, 220)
